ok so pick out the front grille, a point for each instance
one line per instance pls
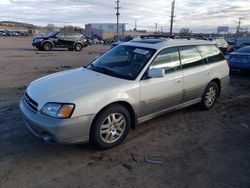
(33, 105)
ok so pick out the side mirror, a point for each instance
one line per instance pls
(156, 73)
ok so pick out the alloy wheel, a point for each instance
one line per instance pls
(113, 128)
(210, 95)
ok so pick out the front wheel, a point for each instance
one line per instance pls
(47, 46)
(210, 96)
(110, 127)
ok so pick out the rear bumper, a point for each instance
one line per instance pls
(239, 65)
(224, 82)
(67, 131)
(247, 68)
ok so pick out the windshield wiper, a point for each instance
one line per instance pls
(92, 65)
(113, 73)
(105, 71)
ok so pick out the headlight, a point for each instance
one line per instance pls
(58, 110)
(38, 40)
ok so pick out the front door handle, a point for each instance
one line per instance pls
(178, 81)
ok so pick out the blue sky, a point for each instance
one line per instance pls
(198, 15)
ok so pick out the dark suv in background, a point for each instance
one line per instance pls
(72, 41)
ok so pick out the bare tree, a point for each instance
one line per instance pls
(185, 31)
(70, 28)
(50, 27)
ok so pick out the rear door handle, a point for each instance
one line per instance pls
(178, 81)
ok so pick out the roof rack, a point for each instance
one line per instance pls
(156, 36)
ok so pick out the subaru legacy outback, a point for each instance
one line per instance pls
(129, 84)
(72, 41)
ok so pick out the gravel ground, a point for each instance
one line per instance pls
(197, 148)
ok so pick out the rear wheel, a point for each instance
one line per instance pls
(210, 96)
(78, 47)
(111, 127)
(47, 46)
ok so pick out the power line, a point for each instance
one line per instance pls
(117, 17)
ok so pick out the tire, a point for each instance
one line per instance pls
(47, 46)
(210, 96)
(78, 47)
(110, 127)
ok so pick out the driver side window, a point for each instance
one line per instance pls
(60, 36)
(168, 60)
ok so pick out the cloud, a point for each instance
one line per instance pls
(198, 15)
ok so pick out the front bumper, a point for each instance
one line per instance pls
(67, 131)
(36, 44)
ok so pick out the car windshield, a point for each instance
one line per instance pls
(52, 34)
(244, 50)
(123, 61)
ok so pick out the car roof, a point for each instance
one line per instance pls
(164, 43)
(245, 50)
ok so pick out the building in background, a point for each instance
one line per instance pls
(108, 30)
(222, 29)
(103, 30)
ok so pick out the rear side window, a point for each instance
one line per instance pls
(211, 53)
(190, 57)
(167, 59)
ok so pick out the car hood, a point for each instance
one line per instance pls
(70, 85)
(41, 37)
(239, 53)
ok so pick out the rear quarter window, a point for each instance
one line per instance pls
(210, 53)
(190, 57)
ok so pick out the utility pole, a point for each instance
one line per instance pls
(156, 27)
(172, 18)
(238, 27)
(117, 17)
(135, 29)
(238, 30)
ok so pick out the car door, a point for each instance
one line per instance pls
(158, 94)
(69, 39)
(59, 40)
(195, 73)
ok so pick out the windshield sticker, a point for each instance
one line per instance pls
(141, 51)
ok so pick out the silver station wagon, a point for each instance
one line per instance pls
(130, 84)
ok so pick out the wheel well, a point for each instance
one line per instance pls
(48, 42)
(125, 105)
(217, 81)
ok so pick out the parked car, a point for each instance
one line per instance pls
(222, 45)
(72, 41)
(2, 33)
(242, 45)
(130, 84)
(240, 59)
(121, 40)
